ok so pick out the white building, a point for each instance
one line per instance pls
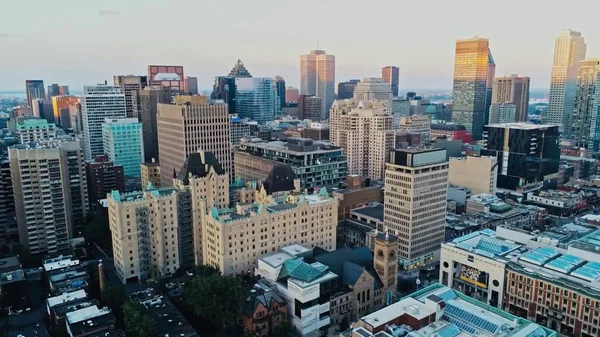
(502, 113)
(99, 102)
(33, 130)
(372, 88)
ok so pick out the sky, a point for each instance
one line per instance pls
(79, 42)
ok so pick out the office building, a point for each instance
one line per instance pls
(528, 154)
(61, 108)
(241, 128)
(63, 90)
(8, 222)
(416, 184)
(363, 129)
(103, 176)
(99, 102)
(280, 89)
(316, 131)
(167, 76)
(33, 130)
(441, 311)
(150, 172)
(224, 89)
(191, 85)
(391, 76)
(124, 144)
(372, 88)
(145, 233)
(473, 71)
(345, 90)
(309, 107)
(317, 78)
(42, 108)
(569, 50)
(479, 174)
(291, 95)
(53, 90)
(51, 197)
(416, 124)
(184, 129)
(147, 100)
(129, 84)
(34, 89)
(585, 124)
(316, 164)
(256, 99)
(239, 70)
(512, 89)
(503, 113)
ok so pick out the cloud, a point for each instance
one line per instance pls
(2, 36)
(107, 12)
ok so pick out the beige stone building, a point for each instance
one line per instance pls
(145, 233)
(512, 89)
(187, 128)
(416, 124)
(364, 130)
(251, 167)
(150, 173)
(416, 185)
(477, 173)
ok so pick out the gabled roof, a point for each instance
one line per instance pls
(349, 263)
(280, 179)
(260, 294)
(199, 165)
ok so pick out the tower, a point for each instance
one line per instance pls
(386, 262)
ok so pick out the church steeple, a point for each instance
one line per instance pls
(385, 260)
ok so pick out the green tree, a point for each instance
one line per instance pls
(114, 296)
(282, 330)
(136, 322)
(216, 298)
(97, 229)
(345, 324)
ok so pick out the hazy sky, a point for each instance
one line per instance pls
(77, 42)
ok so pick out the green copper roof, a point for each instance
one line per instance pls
(298, 269)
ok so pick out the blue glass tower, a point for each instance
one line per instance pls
(124, 144)
(256, 98)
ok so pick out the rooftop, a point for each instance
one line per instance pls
(282, 146)
(86, 314)
(485, 243)
(375, 211)
(59, 263)
(521, 126)
(66, 298)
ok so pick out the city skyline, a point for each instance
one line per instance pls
(426, 64)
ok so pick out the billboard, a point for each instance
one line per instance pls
(474, 276)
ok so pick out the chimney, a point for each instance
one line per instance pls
(101, 278)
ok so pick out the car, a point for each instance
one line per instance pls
(430, 268)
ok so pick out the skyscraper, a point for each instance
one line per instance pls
(280, 85)
(472, 66)
(569, 50)
(167, 76)
(129, 84)
(187, 128)
(391, 75)
(416, 185)
(256, 98)
(147, 100)
(291, 95)
(224, 87)
(585, 126)
(53, 90)
(372, 88)
(63, 90)
(97, 103)
(60, 109)
(34, 89)
(239, 70)
(191, 85)
(50, 207)
(317, 78)
(309, 107)
(8, 222)
(346, 89)
(124, 144)
(512, 89)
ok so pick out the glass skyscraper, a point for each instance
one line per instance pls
(124, 144)
(256, 98)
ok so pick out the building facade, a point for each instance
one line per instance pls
(512, 89)
(479, 174)
(345, 90)
(8, 222)
(34, 130)
(34, 89)
(391, 75)
(147, 101)
(291, 95)
(124, 144)
(416, 124)
(256, 99)
(129, 84)
(99, 102)
(503, 113)
(103, 176)
(309, 107)
(569, 50)
(585, 125)
(61, 107)
(150, 174)
(191, 85)
(167, 76)
(317, 78)
(416, 185)
(372, 88)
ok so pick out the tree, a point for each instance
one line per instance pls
(345, 323)
(136, 322)
(97, 229)
(114, 296)
(216, 298)
(282, 330)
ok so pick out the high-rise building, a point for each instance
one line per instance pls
(167, 76)
(569, 50)
(503, 113)
(224, 89)
(130, 84)
(34, 89)
(42, 108)
(280, 86)
(391, 76)
(103, 176)
(60, 109)
(99, 102)
(419, 124)
(51, 197)
(147, 100)
(416, 185)
(317, 78)
(291, 95)
(187, 128)
(372, 88)
(528, 154)
(309, 107)
(472, 70)
(515, 90)
(345, 90)
(364, 130)
(476, 173)
(34, 130)
(585, 125)
(8, 222)
(63, 90)
(256, 99)
(124, 144)
(239, 70)
(191, 85)
(53, 90)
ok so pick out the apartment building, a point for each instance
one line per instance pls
(363, 129)
(33, 130)
(416, 124)
(103, 176)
